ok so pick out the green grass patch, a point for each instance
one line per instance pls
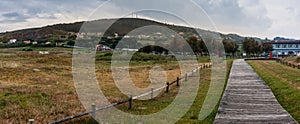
(143, 57)
(165, 99)
(284, 82)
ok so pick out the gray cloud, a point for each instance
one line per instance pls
(172, 11)
(32, 13)
(13, 17)
(242, 16)
(10, 15)
(246, 17)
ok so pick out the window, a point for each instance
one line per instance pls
(290, 45)
(284, 46)
(277, 46)
(297, 46)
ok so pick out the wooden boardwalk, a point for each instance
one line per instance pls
(248, 99)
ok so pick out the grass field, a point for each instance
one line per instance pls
(41, 87)
(284, 82)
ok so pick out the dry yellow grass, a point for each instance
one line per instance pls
(36, 86)
(41, 86)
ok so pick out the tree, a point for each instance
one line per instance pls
(202, 47)
(230, 47)
(251, 46)
(71, 43)
(267, 47)
(153, 48)
(197, 45)
(194, 44)
(177, 46)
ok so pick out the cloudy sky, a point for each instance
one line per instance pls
(261, 18)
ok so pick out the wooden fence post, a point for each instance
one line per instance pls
(30, 121)
(167, 88)
(130, 103)
(93, 110)
(177, 81)
(185, 77)
(151, 93)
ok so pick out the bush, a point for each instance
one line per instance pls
(3, 103)
(29, 49)
(136, 57)
(108, 54)
(43, 45)
(71, 43)
(298, 59)
(14, 45)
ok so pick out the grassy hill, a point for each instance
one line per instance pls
(122, 26)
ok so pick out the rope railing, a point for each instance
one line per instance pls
(131, 98)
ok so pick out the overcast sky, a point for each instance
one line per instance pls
(261, 18)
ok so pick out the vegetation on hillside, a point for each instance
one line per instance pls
(121, 26)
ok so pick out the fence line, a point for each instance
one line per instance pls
(290, 64)
(130, 100)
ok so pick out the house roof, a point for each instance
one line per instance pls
(286, 42)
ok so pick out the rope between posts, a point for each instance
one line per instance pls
(131, 98)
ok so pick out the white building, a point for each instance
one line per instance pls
(12, 41)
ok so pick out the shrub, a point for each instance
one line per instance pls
(108, 54)
(298, 59)
(29, 49)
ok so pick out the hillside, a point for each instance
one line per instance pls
(122, 26)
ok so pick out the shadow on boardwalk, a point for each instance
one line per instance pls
(248, 99)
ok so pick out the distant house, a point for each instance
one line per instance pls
(43, 52)
(181, 33)
(63, 37)
(12, 41)
(286, 48)
(48, 43)
(99, 33)
(58, 44)
(101, 47)
(131, 50)
(109, 37)
(34, 42)
(116, 35)
(27, 41)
